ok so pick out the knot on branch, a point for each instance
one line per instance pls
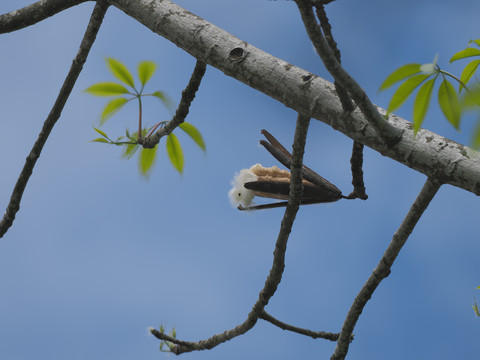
(237, 54)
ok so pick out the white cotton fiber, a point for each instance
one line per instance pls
(238, 194)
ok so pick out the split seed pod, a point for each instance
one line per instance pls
(274, 183)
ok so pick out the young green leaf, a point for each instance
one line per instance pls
(193, 132)
(147, 160)
(476, 145)
(477, 41)
(420, 107)
(107, 89)
(164, 98)
(471, 98)
(404, 91)
(101, 133)
(475, 308)
(101, 140)
(448, 100)
(462, 54)
(400, 74)
(120, 71)
(111, 108)
(129, 150)
(174, 151)
(468, 72)
(145, 71)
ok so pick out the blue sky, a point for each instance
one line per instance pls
(97, 254)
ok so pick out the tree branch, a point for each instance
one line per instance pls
(53, 116)
(276, 272)
(313, 334)
(356, 160)
(183, 108)
(306, 93)
(32, 14)
(383, 268)
(339, 74)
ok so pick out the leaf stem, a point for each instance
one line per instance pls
(454, 77)
(139, 116)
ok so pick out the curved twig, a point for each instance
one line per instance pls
(32, 14)
(313, 334)
(276, 272)
(368, 109)
(53, 116)
(383, 268)
(183, 108)
(356, 159)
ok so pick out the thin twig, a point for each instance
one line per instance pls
(348, 106)
(383, 268)
(356, 162)
(183, 108)
(313, 334)
(53, 116)
(276, 272)
(369, 110)
(34, 13)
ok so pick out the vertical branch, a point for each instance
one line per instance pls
(382, 270)
(276, 271)
(356, 159)
(72, 76)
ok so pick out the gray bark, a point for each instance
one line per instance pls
(431, 154)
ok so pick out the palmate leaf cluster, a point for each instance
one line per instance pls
(126, 91)
(453, 101)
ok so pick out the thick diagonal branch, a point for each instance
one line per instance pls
(383, 268)
(53, 116)
(276, 272)
(306, 93)
(34, 13)
(183, 108)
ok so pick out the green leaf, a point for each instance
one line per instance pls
(476, 145)
(174, 151)
(145, 71)
(129, 150)
(193, 132)
(478, 287)
(420, 107)
(107, 89)
(398, 75)
(101, 140)
(120, 71)
(475, 307)
(468, 72)
(404, 91)
(111, 108)
(448, 100)
(477, 41)
(101, 133)
(164, 98)
(147, 160)
(462, 54)
(471, 98)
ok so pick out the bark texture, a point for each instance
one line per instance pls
(431, 154)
